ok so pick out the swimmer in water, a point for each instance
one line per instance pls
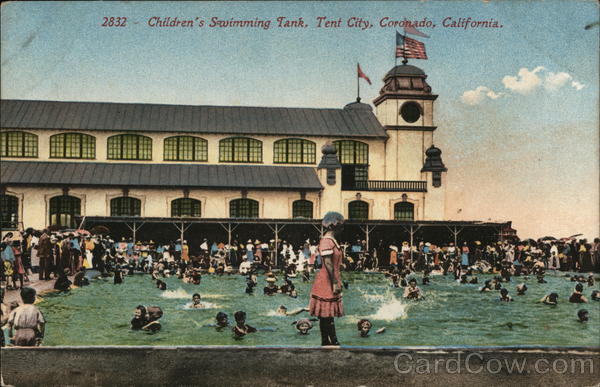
(487, 286)
(550, 299)
(197, 301)
(596, 295)
(540, 279)
(583, 315)
(474, 281)
(364, 327)
(161, 285)
(304, 325)
(412, 292)
(241, 329)
(521, 289)
(139, 319)
(590, 280)
(222, 320)
(577, 295)
(282, 311)
(504, 295)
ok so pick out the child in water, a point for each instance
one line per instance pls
(241, 329)
(583, 315)
(304, 325)
(596, 295)
(550, 299)
(412, 292)
(504, 295)
(161, 285)
(364, 327)
(487, 286)
(521, 289)
(146, 318)
(197, 301)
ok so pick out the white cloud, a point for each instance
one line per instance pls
(554, 81)
(578, 86)
(525, 82)
(475, 97)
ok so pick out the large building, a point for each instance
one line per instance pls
(87, 163)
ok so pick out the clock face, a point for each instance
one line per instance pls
(410, 112)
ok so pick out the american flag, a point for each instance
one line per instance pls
(409, 48)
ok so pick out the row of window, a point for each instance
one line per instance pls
(64, 209)
(177, 148)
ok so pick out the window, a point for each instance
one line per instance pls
(72, 146)
(129, 147)
(185, 207)
(410, 112)
(294, 151)
(302, 209)
(243, 208)
(240, 150)
(18, 144)
(354, 157)
(358, 210)
(63, 210)
(404, 211)
(9, 211)
(186, 148)
(125, 206)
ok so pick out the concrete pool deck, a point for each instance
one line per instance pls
(282, 366)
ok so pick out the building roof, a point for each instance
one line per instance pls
(236, 120)
(248, 177)
(403, 70)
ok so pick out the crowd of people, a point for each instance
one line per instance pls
(64, 257)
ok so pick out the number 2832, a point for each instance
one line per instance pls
(114, 22)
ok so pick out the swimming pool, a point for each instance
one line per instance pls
(450, 315)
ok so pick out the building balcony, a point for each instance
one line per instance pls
(388, 186)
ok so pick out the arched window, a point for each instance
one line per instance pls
(63, 210)
(243, 208)
(186, 148)
(404, 211)
(358, 210)
(294, 151)
(185, 207)
(125, 206)
(72, 146)
(302, 209)
(9, 211)
(129, 147)
(18, 144)
(354, 157)
(240, 150)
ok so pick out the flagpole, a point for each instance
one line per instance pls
(357, 84)
(404, 60)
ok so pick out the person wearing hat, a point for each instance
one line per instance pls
(44, 252)
(304, 325)
(271, 289)
(326, 294)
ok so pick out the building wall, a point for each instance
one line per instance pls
(34, 201)
(377, 149)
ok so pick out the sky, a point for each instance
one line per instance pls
(517, 112)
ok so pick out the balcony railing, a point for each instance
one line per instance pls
(389, 185)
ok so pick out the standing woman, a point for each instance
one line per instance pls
(326, 295)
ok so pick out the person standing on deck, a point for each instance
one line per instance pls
(326, 294)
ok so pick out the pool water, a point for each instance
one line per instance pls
(450, 315)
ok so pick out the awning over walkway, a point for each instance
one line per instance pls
(84, 174)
